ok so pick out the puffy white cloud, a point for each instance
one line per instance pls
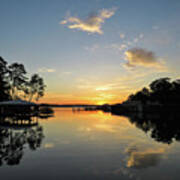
(92, 24)
(142, 57)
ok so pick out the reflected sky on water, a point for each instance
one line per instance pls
(85, 145)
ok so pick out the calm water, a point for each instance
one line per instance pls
(86, 145)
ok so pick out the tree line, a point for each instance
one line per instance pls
(15, 84)
(163, 91)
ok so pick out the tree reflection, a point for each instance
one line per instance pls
(15, 135)
(163, 127)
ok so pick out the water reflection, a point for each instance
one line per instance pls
(84, 145)
(163, 127)
(15, 134)
(143, 159)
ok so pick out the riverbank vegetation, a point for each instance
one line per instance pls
(161, 91)
(162, 95)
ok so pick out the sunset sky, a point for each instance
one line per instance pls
(92, 51)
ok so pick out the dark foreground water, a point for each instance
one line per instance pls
(87, 146)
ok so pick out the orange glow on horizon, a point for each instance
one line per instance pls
(55, 99)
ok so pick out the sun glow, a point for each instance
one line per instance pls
(101, 102)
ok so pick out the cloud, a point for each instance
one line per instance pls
(142, 57)
(143, 159)
(127, 42)
(155, 27)
(67, 73)
(111, 86)
(92, 48)
(119, 47)
(136, 40)
(92, 24)
(141, 36)
(102, 88)
(48, 145)
(48, 70)
(122, 36)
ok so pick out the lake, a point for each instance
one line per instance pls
(88, 145)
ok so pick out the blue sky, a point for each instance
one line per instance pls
(83, 66)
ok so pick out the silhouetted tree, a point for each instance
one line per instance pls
(18, 79)
(161, 90)
(35, 88)
(176, 91)
(14, 84)
(4, 85)
(142, 96)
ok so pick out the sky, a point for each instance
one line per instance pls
(92, 52)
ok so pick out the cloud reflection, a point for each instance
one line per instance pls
(143, 159)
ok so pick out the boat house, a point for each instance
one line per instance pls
(18, 107)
